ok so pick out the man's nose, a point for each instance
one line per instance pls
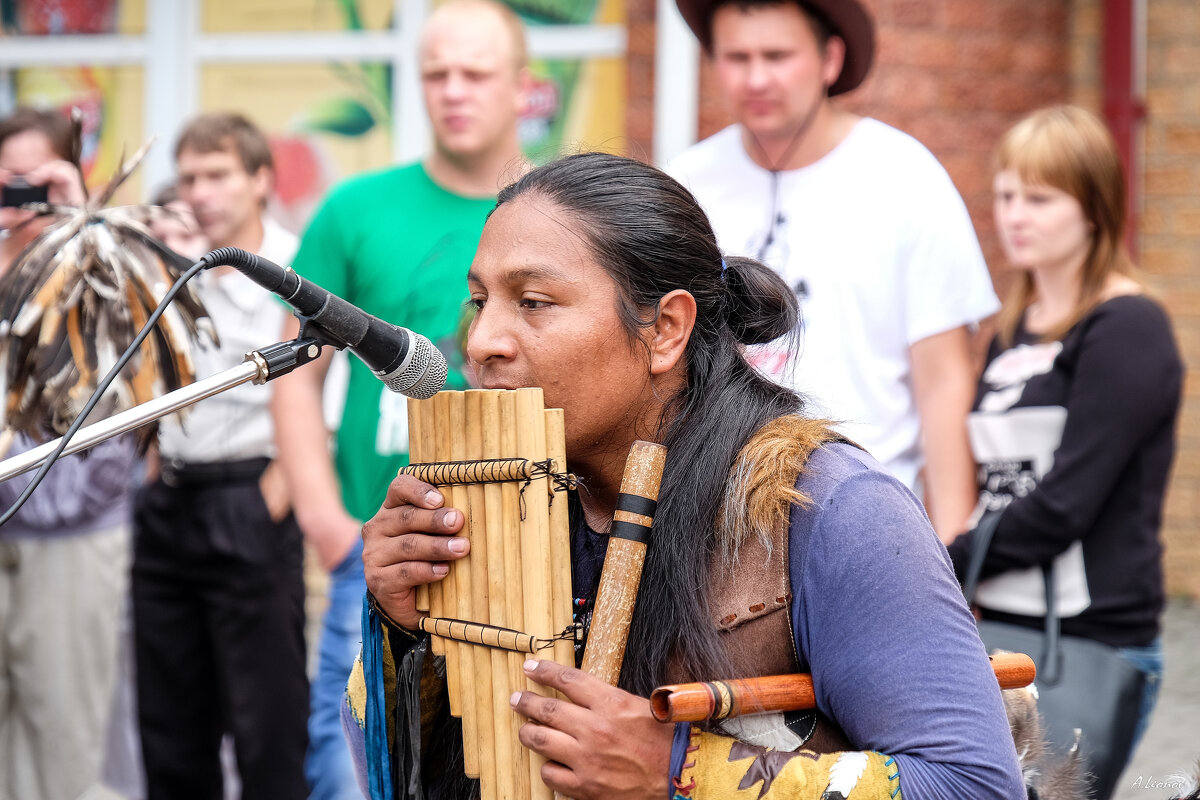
(455, 86)
(489, 337)
(757, 74)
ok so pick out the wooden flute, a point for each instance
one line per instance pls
(715, 700)
(622, 572)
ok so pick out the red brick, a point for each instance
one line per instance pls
(1017, 18)
(932, 50)
(1178, 59)
(1086, 19)
(1166, 261)
(1177, 180)
(1172, 19)
(993, 55)
(970, 15)
(1182, 139)
(1043, 57)
(915, 13)
(1055, 21)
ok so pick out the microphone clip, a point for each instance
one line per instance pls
(283, 357)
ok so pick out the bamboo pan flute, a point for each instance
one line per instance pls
(517, 576)
(500, 457)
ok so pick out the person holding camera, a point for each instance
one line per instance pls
(39, 164)
(64, 557)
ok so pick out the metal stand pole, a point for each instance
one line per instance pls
(259, 367)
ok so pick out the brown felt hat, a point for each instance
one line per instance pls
(847, 19)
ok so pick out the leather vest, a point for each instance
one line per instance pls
(752, 593)
(752, 604)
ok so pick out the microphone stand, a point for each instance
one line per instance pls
(259, 367)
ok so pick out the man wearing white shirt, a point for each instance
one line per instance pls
(864, 224)
(218, 591)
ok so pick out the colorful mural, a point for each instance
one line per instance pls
(326, 120)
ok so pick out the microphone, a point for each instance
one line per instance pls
(406, 362)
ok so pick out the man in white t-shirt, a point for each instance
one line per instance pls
(864, 224)
(218, 587)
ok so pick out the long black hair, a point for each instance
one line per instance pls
(652, 237)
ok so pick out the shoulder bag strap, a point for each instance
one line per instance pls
(1051, 657)
(1051, 660)
(981, 541)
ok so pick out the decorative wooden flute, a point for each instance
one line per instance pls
(622, 573)
(715, 700)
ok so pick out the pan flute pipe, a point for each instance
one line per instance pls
(499, 457)
(716, 700)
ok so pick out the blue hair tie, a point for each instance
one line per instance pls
(724, 267)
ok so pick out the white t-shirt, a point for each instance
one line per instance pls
(877, 244)
(235, 424)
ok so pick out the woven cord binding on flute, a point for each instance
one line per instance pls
(494, 636)
(491, 470)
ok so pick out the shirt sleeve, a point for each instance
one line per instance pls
(1126, 385)
(895, 655)
(78, 488)
(947, 283)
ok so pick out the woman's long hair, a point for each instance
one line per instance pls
(1069, 149)
(650, 235)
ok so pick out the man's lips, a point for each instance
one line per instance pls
(759, 106)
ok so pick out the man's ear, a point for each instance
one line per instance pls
(835, 59)
(263, 182)
(524, 89)
(671, 331)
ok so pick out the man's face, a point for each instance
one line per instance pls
(225, 198)
(179, 231)
(547, 316)
(22, 153)
(772, 71)
(472, 84)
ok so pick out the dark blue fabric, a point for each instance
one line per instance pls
(379, 760)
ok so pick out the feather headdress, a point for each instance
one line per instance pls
(73, 302)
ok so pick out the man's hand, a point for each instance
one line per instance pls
(408, 544)
(64, 187)
(603, 743)
(275, 492)
(64, 184)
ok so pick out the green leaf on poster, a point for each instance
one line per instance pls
(343, 116)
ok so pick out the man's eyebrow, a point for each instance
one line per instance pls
(519, 274)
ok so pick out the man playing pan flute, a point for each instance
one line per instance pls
(776, 548)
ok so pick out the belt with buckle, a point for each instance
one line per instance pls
(175, 473)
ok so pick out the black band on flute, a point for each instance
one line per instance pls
(636, 504)
(631, 531)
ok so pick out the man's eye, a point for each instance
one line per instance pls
(532, 304)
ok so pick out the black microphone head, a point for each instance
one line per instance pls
(422, 374)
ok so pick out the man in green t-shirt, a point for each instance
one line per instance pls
(398, 244)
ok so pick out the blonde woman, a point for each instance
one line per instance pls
(1074, 418)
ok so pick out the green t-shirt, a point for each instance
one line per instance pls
(398, 246)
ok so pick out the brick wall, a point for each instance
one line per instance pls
(1168, 226)
(1169, 239)
(956, 73)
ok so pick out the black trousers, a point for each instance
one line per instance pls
(218, 607)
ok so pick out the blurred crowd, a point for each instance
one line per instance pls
(152, 615)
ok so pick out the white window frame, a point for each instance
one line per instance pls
(173, 51)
